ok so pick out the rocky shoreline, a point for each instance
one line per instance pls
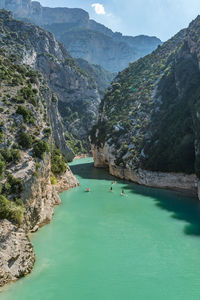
(17, 255)
(174, 181)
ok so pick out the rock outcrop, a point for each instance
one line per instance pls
(149, 121)
(83, 37)
(16, 253)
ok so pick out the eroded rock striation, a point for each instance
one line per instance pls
(148, 127)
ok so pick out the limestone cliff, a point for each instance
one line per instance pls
(32, 167)
(148, 127)
(77, 95)
(16, 253)
(44, 15)
(103, 158)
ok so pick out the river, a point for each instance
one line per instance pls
(104, 246)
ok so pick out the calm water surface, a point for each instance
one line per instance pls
(102, 246)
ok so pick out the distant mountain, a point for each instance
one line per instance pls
(83, 37)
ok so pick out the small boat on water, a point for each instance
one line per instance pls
(87, 190)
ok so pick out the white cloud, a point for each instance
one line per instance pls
(99, 9)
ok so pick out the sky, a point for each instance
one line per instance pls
(161, 18)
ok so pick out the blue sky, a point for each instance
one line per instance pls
(161, 18)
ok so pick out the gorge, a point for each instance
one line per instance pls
(59, 100)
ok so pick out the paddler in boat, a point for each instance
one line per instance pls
(123, 193)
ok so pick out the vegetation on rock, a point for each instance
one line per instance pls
(150, 116)
(40, 148)
(18, 130)
(11, 211)
(58, 163)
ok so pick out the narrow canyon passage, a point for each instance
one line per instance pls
(104, 246)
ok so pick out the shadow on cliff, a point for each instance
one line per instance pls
(182, 206)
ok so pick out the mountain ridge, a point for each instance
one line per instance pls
(95, 42)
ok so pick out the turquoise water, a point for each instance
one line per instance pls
(103, 246)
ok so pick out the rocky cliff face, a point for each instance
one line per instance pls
(44, 15)
(16, 253)
(104, 158)
(100, 76)
(32, 167)
(83, 37)
(76, 93)
(149, 119)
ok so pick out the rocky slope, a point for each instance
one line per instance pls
(83, 37)
(100, 76)
(32, 168)
(77, 94)
(148, 128)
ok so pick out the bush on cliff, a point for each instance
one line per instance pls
(16, 185)
(11, 211)
(25, 140)
(2, 167)
(58, 164)
(10, 155)
(26, 113)
(39, 149)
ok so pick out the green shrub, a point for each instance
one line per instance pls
(38, 166)
(15, 146)
(27, 114)
(10, 155)
(1, 137)
(58, 164)
(54, 98)
(11, 211)
(47, 132)
(32, 75)
(25, 140)
(53, 180)
(2, 167)
(39, 148)
(28, 93)
(16, 185)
